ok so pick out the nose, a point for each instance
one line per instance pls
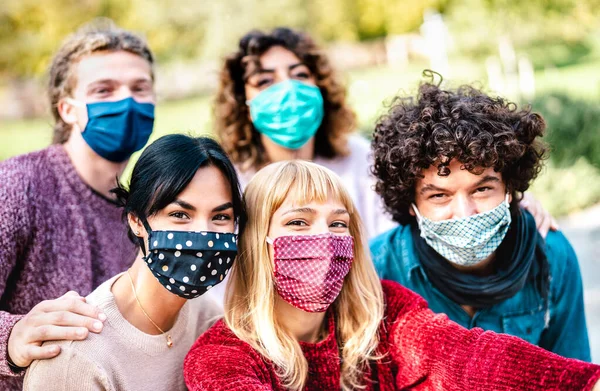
(319, 227)
(123, 92)
(200, 225)
(463, 207)
(281, 75)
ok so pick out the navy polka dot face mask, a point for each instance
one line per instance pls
(190, 263)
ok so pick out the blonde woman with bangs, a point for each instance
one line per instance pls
(305, 310)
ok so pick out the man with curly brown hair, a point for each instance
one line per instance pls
(451, 166)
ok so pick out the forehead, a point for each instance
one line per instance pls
(208, 177)
(321, 206)
(458, 177)
(278, 57)
(120, 66)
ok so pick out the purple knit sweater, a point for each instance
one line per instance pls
(56, 235)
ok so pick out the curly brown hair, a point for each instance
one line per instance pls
(465, 124)
(232, 120)
(99, 35)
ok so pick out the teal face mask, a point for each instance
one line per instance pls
(469, 240)
(289, 113)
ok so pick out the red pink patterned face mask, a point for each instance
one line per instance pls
(310, 269)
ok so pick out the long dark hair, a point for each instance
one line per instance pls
(165, 169)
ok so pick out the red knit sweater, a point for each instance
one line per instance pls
(424, 351)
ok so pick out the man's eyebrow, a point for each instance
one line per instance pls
(486, 179)
(430, 187)
(300, 210)
(102, 81)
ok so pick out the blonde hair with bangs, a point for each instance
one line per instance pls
(251, 293)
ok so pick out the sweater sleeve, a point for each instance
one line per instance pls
(69, 371)
(214, 366)
(15, 233)
(429, 347)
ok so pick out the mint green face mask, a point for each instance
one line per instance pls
(289, 112)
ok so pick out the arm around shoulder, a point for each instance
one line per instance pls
(69, 371)
(15, 234)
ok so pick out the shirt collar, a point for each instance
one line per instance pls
(408, 256)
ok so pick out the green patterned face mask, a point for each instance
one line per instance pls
(289, 112)
(467, 241)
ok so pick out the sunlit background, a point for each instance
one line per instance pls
(540, 52)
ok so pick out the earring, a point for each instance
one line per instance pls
(137, 233)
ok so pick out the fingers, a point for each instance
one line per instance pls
(71, 304)
(554, 225)
(73, 294)
(57, 333)
(34, 352)
(70, 319)
(543, 225)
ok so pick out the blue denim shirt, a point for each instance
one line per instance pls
(522, 315)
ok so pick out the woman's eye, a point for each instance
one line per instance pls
(297, 222)
(339, 224)
(222, 217)
(179, 215)
(263, 82)
(302, 75)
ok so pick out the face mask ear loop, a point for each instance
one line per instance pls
(141, 240)
(419, 218)
(269, 240)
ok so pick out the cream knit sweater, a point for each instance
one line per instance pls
(122, 357)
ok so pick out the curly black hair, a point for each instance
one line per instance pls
(464, 124)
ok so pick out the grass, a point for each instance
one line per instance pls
(369, 93)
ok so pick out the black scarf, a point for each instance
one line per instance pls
(520, 257)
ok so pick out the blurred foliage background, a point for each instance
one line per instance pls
(540, 52)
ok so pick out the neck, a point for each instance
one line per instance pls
(483, 268)
(161, 305)
(97, 172)
(304, 326)
(277, 153)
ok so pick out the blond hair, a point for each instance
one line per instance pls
(251, 293)
(96, 36)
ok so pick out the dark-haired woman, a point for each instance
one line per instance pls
(182, 206)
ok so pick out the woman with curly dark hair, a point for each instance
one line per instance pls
(278, 99)
(451, 166)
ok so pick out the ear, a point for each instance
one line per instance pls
(136, 225)
(67, 112)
